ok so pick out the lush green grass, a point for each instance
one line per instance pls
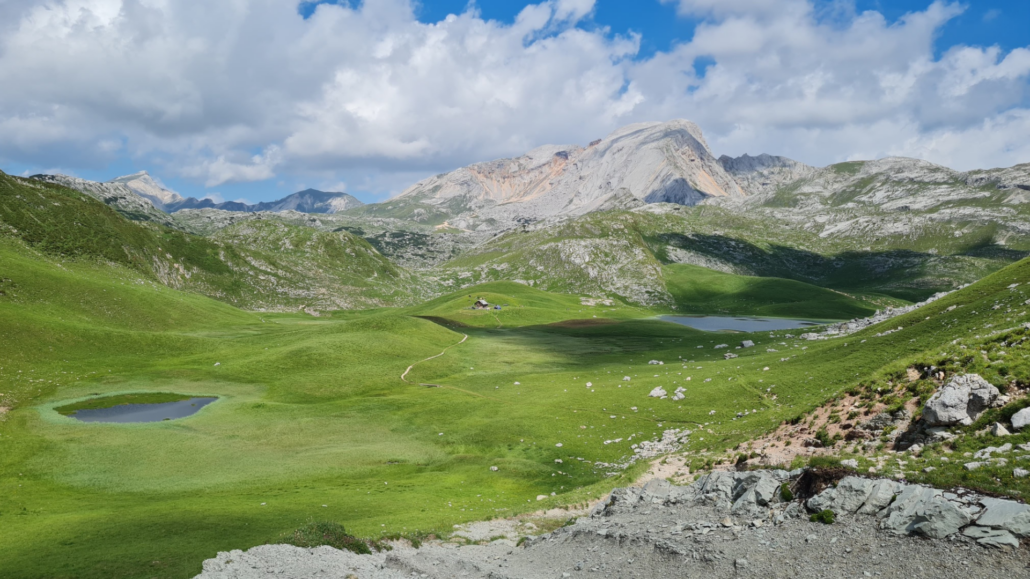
(258, 264)
(313, 411)
(521, 305)
(702, 290)
(98, 402)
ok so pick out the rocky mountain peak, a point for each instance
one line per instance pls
(659, 162)
(146, 186)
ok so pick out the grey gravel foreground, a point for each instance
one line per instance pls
(664, 531)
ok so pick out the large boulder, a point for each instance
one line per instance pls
(1021, 419)
(961, 401)
(848, 496)
(898, 517)
(939, 518)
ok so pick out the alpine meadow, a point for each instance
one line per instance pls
(358, 319)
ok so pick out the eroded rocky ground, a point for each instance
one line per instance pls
(723, 525)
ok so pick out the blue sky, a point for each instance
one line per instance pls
(259, 100)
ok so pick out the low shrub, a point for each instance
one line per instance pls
(824, 516)
(316, 534)
(824, 438)
(785, 494)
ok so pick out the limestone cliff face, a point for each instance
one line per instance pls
(145, 186)
(652, 162)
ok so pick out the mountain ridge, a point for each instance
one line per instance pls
(652, 162)
(306, 201)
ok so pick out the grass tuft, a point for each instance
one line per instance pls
(317, 534)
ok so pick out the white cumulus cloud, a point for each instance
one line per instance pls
(241, 91)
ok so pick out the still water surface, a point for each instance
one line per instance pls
(144, 412)
(740, 323)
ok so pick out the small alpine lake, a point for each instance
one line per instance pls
(126, 408)
(740, 323)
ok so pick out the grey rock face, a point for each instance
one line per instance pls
(991, 537)
(1008, 515)
(764, 173)
(960, 401)
(898, 517)
(938, 518)
(880, 496)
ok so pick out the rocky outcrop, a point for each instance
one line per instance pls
(724, 525)
(960, 401)
(904, 509)
(764, 173)
(117, 195)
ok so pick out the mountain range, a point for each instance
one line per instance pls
(610, 218)
(123, 192)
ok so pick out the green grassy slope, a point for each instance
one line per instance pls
(701, 290)
(313, 412)
(520, 306)
(258, 264)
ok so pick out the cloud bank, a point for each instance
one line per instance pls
(248, 90)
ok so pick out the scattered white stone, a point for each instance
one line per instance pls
(493, 468)
(658, 392)
(1021, 419)
(1020, 472)
(625, 378)
(849, 462)
(559, 445)
(998, 430)
(218, 363)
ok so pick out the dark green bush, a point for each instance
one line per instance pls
(785, 494)
(824, 438)
(824, 516)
